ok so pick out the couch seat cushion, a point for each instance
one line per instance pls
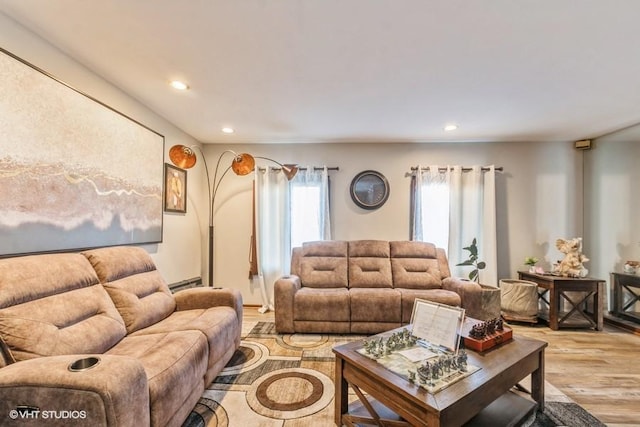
(375, 305)
(175, 364)
(218, 324)
(441, 296)
(321, 304)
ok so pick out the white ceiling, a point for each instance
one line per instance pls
(361, 70)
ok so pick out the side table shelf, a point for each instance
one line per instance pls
(626, 296)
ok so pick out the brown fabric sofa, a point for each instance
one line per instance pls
(369, 286)
(157, 351)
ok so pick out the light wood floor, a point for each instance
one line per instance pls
(598, 370)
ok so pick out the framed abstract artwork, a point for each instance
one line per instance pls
(175, 189)
(74, 173)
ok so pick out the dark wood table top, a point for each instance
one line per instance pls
(507, 363)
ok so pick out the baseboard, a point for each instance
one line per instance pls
(627, 325)
(185, 284)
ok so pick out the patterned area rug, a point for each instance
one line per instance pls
(287, 381)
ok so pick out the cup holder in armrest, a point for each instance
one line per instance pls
(84, 364)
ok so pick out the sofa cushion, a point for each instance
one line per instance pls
(324, 264)
(415, 265)
(369, 265)
(369, 248)
(218, 324)
(325, 248)
(175, 364)
(137, 289)
(53, 305)
(321, 305)
(375, 305)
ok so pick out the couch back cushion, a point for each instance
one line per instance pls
(137, 289)
(415, 265)
(323, 264)
(369, 264)
(52, 305)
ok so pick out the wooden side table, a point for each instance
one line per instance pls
(556, 290)
(626, 295)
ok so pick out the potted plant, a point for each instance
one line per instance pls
(473, 261)
(486, 299)
(531, 262)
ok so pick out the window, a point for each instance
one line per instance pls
(309, 206)
(305, 213)
(435, 213)
(451, 208)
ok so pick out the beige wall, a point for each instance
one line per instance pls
(539, 197)
(612, 201)
(539, 194)
(179, 256)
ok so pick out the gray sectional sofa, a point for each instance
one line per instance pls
(156, 351)
(369, 286)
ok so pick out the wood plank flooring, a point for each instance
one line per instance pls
(598, 370)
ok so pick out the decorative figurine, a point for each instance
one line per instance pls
(572, 264)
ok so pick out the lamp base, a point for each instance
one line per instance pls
(265, 308)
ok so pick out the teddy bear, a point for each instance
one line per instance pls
(572, 264)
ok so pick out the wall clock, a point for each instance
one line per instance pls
(369, 189)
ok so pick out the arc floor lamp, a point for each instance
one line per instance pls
(242, 164)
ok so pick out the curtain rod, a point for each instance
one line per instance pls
(315, 168)
(464, 169)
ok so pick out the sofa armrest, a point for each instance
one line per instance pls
(203, 298)
(479, 301)
(44, 390)
(284, 291)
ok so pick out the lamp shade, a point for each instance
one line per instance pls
(243, 164)
(182, 156)
(289, 171)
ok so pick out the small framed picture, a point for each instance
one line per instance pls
(175, 189)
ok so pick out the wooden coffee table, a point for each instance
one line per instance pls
(387, 399)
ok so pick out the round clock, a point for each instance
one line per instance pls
(369, 189)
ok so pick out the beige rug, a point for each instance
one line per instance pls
(287, 381)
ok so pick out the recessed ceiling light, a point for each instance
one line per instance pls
(177, 84)
(450, 127)
(227, 130)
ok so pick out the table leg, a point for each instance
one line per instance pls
(537, 382)
(598, 305)
(554, 306)
(341, 392)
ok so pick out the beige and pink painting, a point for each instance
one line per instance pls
(74, 173)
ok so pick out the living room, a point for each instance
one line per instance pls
(548, 189)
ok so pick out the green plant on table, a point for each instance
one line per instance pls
(530, 261)
(473, 261)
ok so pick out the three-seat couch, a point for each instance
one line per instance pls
(155, 351)
(369, 286)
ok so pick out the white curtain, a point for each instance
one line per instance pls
(471, 214)
(272, 231)
(310, 206)
(435, 207)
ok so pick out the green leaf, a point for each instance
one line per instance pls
(481, 265)
(467, 262)
(473, 275)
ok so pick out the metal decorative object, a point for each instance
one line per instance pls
(242, 164)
